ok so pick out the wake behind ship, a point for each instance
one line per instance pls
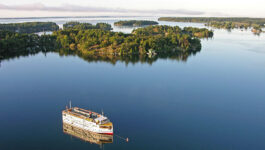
(87, 120)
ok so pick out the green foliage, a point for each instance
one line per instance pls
(158, 38)
(12, 43)
(135, 23)
(260, 21)
(198, 32)
(220, 22)
(29, 27)
(71, 24)
(103, 26)
(158, 29)
(229, 25)
(86, 26)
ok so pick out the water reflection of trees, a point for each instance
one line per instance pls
(181, 56)
(133, 59)
(22, 53)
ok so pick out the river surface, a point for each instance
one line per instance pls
(211, 100)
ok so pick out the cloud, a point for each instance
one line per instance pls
(77, 8)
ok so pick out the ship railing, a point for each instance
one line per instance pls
(81, 116)
(85, 111)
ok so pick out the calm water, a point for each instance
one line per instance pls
(214, 100)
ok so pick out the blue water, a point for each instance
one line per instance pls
(213, 100)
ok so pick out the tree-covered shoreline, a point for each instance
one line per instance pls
(86, 26)
(98, 42)
(15, 44)
(29, 27)
(135, 23)
(222, 22)
(140, 41)
(260, 21)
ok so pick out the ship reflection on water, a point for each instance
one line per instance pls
(87, 136)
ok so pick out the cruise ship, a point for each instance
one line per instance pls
(87, 120)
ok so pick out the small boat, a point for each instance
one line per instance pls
(87, 120)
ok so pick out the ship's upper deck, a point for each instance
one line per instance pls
(88, 115)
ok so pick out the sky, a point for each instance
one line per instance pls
(189, 8)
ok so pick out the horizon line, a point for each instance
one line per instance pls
(94, 16)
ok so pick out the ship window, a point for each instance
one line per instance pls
(105, 121)
(105, 127)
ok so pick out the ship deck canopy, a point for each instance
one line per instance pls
(102, 119)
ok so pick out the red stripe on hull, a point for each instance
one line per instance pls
(107, 133)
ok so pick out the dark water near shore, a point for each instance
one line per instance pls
(213, 99)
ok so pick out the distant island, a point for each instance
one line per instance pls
(85, 26)
(97, 41)
(135, 23)
(29, 27)
(222, 22)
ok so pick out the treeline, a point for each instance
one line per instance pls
(157, 38)
(228, 25)
(86, 26)
(15, 44)
(260, 21)
(222, 23)
(135, 23)
(29, 27)
(169, 30)
(234, 25)
(199, 32)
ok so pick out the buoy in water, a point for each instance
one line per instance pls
(127, 139)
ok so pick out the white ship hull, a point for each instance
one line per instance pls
(85, 124)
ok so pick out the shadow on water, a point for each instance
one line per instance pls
(180, 56)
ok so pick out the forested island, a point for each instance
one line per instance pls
(91, 43)
(85, 26)
(140, 41)
(135, 23)
(222, 22)
(29, 27)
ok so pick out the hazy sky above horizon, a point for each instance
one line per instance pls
(41, 8)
